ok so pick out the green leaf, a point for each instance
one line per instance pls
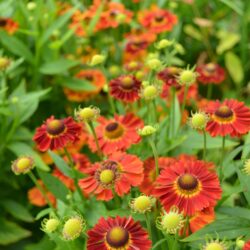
(45, 243)
(57, 24)
(193, 32)
(246, 148)
(229, 228)
(16, 46)
(57, 67)
(91, 215)
(10, 232)
(20, 148)
(94, 20)
(76, 84)
(62, 165)
(17, 210)
(195, 141)
(54, 185)
(227, 41)
(240, 212)
(234, 67)
(234, 5)
(43, 213)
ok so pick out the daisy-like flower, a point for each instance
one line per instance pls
(118, 173)
(210, 73)
(142, 204)
(22, 165)
(125, 88)
(215, 244)
(116, 134)
(157, 20)
(8, 24)
(170, 222)
(56, 133)
(189, 185)
(201, 219)
(230, 117)
(198, 120)
(118, 233)
(94, 77)
(169, 76)
(36, 198)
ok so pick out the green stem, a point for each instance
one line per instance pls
(147, 219)
(156, 157)
(185, 230)
(71, 163)
(41, 189)
(95, 138)
(184, 100)
(222, 158)
(205, 144)
(209, 90)
(172, 113)
(155, 111)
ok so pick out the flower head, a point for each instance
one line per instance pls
(87, 114)
(9, 25)
(147, 130)
(230, 117)
(162, 44)
(246, 167)
(187, 77)
(118, 233)
(125, 88)
(73, 227)
(215, 245)
(198, 120)
(142, 204)
(170, 222)
(188, 184)
(119, 172)
(50, 225)
(4, 63)
(22, 165)
(116, 134)
(56, 133)
(97, 59)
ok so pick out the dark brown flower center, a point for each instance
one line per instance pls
(224, 112)
(114, 130)
(55, 127)
(3, 22)
(187, 182)
(89, 78)
(159, 18)
(117, 237)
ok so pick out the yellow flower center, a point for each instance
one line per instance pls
(210, 68)
(171, 221)
(114, 130)
(51, 225)
(187, 77)
(142, 203)
(127, 82)
(55, 127)
(117, 237)
(150, 92)
(23, 163)
(199, 120)
(107, 176)
(72, 228)
(87, 113)
(214, 246)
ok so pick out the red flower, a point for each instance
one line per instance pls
(118, 173)
(157, 20)
(210, 73)
(189, 185)
(55, 133)
(116, 134)
(201, 219)
(36, 197)
(247, 245)
(125, 88)
(169, 76)
(8, 24)
(230, 117)
(118, 233)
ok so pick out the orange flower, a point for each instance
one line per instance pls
(36, 197)
(94, 77)
(116, 134)
(157, 20)
(118, 173)
(9, 25)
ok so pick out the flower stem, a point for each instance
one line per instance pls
(147, 219)
(222, 158)
(173, 113)
(155, 153)
(205, 144)
(186, 229)
(184, 100)
(41, 189)
(209, 91)
(95, 138)
(71, 163)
